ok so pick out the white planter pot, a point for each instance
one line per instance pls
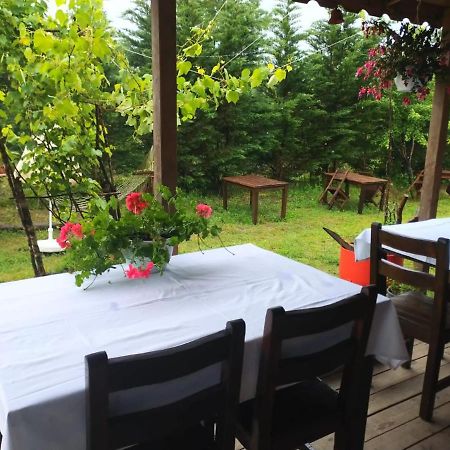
(141, 261)
(402, 85)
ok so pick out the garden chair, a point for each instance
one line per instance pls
(205, 419)
(293, 406)
(421, 317)
(334, 187)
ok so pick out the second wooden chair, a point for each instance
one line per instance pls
(293, 407)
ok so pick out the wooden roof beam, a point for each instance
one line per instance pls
(437, 143)
(164, 53)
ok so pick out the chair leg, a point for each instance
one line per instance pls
(435, 354)
(409, 342)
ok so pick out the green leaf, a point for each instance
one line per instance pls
(60, 2)
(43, 41)
(184, 67)
(257, 78)
(61, 17)
(193, 50)
(232, 97)
(245, 75)
(280, 74)
(272, 81)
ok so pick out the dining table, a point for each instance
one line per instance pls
(431, 230)
(48, 325)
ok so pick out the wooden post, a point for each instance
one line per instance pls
(437, 141)
(164, 54)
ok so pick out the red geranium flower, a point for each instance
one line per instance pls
(68, 230)
(135, 272)
(203, 210)
(135, 203)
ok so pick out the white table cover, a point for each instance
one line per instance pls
(432, 230)
(48, 325)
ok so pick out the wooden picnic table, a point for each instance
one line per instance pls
(255, 184)
(418, 181)
(369, 186)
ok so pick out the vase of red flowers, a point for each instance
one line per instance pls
(141, 240)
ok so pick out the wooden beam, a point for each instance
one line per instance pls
(164, 54)
(437, 142)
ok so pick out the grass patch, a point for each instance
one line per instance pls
(299, 236)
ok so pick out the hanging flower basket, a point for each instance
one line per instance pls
(409, 57)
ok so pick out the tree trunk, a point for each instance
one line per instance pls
(24, 213)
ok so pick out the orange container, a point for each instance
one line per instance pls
(355, 271)
(358, 272)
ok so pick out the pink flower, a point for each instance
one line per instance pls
(359, 72)
(203, 210)
(134, 272)
(362, 92)
(422, 93)
(68, 230)
(406, 101)
(135, 203)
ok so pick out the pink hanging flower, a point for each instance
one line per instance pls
(134, 272)
(362, 92)
(422, 93)
(359, 72)
(203, 210)
(135, 203)
(68, 230)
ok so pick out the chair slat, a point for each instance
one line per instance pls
(316, 364)
(155, 367)
(421, 280)
(405, 244)
(180, 415)
(317, 320)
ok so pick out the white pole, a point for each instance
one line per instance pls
(50, 221)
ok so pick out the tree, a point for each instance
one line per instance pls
(349, 128)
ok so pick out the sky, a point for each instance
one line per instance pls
(115, 8)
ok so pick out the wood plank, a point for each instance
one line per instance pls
(400, 392)
(439, 441)
(401, 409)
(399, 414)
(411, 432)
(164, 71)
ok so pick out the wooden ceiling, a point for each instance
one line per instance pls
(418, 11)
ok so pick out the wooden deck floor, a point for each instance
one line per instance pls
(393, 421)
(393, 418)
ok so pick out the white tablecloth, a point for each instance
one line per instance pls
(47, 325)
(432, 230)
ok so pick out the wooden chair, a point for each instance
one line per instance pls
(335, 188)
(421, 317)
(205, 419)
(307, 409)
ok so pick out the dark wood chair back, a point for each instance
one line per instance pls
(409, 248)
(278, 369)
(217, 403)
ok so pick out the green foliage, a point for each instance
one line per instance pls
(54, 88)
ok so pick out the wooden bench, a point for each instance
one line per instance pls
(255, 184)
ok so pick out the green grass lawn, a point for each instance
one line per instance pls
(299, 236)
